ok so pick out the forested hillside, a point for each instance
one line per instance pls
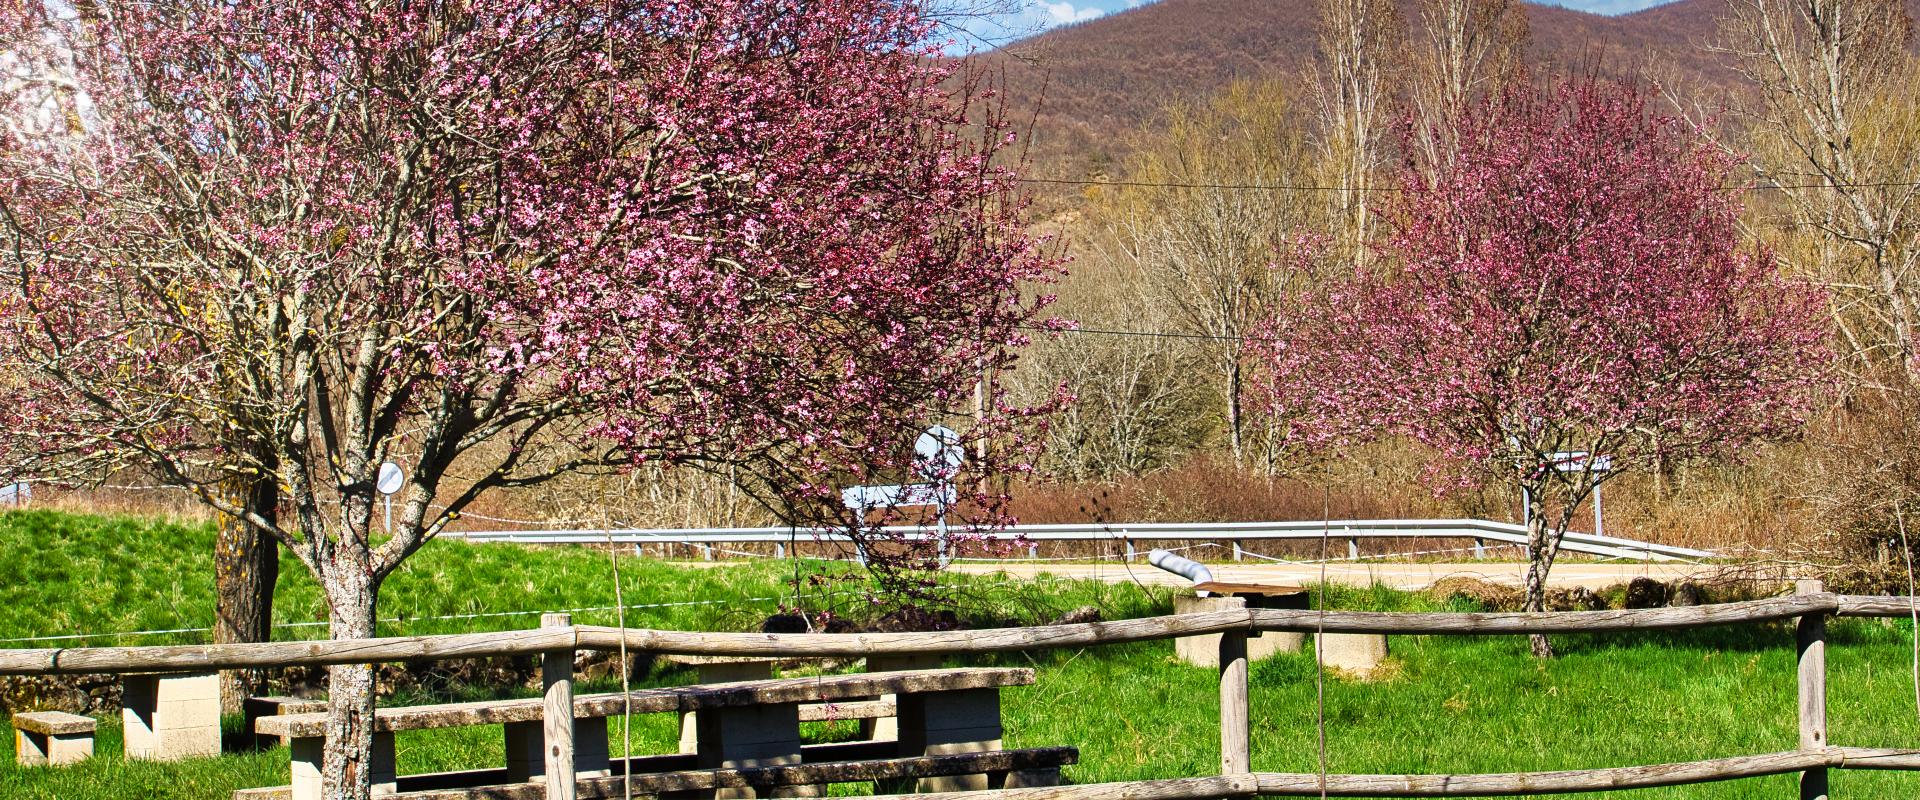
(1188, 148)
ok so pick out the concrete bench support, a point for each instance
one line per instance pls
(308, 769)
(950, 723)
(171, 717)
(719, 670)
(256, 707)
(887, 729)
(527, 743)
(1358, 653)
(1028, 778)
(751, 737)
(51, 738)
(1204, 651)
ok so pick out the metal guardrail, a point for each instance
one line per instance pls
(1351, 530)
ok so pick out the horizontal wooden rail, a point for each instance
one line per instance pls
(1560, 782)
(177, 658)
(1641, 619)
(1290, 784)
(191, 658)
(1875, 758)
(990, 640)
(1222, 786)
(1855, 605)
(993, 640)
(1352, 530)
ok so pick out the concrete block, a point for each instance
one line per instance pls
(51, 738)
(777, 723)
(956, 710)
(984, 742)
(1204, 651)
(1032, 778)
(719, 671)
(1358, 653)
(949, 723)
(887, 729)
(527, 743)
(307, 760)
(907, 661)
(174, 715)
(171, 717)
(253, 708)
(750, 736)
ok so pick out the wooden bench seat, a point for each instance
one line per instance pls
(824, 688)
(825, 763)
(1009, 769)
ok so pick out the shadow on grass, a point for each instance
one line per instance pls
(235, 738)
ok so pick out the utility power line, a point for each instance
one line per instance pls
(1149, 334)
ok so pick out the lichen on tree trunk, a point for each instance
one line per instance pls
(347, 758)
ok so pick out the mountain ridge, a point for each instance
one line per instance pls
(1091, 87)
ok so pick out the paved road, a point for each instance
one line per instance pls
(1399, 576)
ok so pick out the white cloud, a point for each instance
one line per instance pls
(998, 22)
(1064, 13)
(1608, 6)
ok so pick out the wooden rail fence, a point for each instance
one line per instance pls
(557, 641)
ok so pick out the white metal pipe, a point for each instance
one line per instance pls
(1184, 567)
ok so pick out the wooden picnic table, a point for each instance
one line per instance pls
(741, 725)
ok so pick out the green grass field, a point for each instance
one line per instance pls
(1452, 705)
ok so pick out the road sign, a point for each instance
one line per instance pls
(861, 498)
(1577, 461)
(938, 454)
(389, 482)
(390, 478)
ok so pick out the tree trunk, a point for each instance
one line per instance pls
(1539, 561)
(348, 758)
(1233, 410)
(246, 566)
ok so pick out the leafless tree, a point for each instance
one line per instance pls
(1137, 407)
(1204, 240)
(1834, 131)
(1832, 135)
(1462, 49)
(1361, 41)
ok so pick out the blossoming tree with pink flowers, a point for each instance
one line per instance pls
(1573, 283)
(495, 241)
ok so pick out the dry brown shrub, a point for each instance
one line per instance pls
(1490, 596)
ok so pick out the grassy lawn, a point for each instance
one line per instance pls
(1451, 705)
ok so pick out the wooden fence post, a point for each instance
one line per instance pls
(1236, 755)
(556, 672)
(1810, 634)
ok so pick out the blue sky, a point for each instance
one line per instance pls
(1038, 15)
